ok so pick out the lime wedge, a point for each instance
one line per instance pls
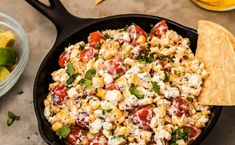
(3, 73)
(7, 56)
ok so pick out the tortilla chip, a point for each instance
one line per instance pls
(216, 49)
(98, 1)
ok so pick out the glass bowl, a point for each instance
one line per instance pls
(21, 46)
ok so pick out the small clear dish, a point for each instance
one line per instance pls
(21, 46)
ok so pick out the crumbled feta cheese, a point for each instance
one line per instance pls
(113, 96)
(96, 125)
(108, 79)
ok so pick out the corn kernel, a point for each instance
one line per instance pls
(135, 79)
(56, 126)
(101, 93)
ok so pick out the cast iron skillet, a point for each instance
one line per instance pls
(72, 29)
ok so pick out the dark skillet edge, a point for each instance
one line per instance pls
(202, 136)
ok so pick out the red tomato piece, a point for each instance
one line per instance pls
(135, 33)
(95, 39)
(87, 54)
(76, 136)
(63, 59)
(142, 116)
(99, 140)
(159, 29)
(59, 94)
(112, 86)
(115, 66)
(83, 120)
(179, 106)
(193, 130)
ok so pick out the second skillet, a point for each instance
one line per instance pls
(71, 29)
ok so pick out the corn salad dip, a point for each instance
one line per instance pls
(128, 87)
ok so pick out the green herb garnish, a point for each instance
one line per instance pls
(166, 78)
(107, 111)
(82, 81)
(11, 118)
(125, 28)
(64, 131)
(190, 99)
(81, 47)
(87, 83)
(125, 55)
(156, 87)
(90, 73)
(179, 134)
(122, 136)
(71, 80)
(96, 56)
(107, 36)
(70, 69)
(134, 91)
(163, 58)
(176, 72)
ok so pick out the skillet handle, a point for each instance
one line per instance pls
(65, 22)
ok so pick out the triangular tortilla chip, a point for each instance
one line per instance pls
(98, 1)
(216, 49)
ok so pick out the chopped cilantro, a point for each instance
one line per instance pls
(125, 55)
(90, 73)
(134, 91)
(107, 111)
(190, 99)
(166, 78)
(64, 131)
(176, 72)
(179, 134)
(70, 69)
(147, 59)
(164, 58)
(96, 56)
(125, 28)
(82, 81)
(11, 118)
(71, 79)
(81, 47)
(156, 87)
(122, 136)
(107, 36)
(87, 83)
(172, 59)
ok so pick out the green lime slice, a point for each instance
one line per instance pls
(7, 56)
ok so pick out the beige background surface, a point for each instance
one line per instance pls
(41, 35)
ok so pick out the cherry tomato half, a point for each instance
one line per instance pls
(77, 136)
(135, 33)
(95, 39)
(159, 29)
(115, 66)
(83, 119)
(142, 116)
(63, 59)
(112, 86)
(179, 106)
(59, 94)
(87, 54)
(193, 130)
